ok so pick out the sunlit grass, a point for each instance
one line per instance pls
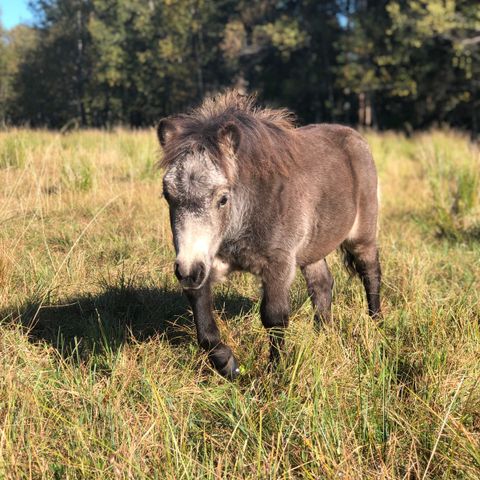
(100, 373)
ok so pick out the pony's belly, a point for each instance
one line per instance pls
(315, 252)
(323, 242)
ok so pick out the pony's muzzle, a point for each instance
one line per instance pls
(190, 276)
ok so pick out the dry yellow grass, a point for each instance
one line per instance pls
(100, 373)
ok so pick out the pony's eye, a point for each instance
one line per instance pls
(223, 200)
(166, 195)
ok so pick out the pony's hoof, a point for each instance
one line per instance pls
(231, 370)
(224, 362)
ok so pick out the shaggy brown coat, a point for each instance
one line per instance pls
(294, 196)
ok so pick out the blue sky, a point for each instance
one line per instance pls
(13, 12)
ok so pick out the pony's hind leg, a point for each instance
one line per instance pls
(362, 258)
(319, 284)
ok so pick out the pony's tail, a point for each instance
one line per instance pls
(348, 261)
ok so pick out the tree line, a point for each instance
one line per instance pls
(403, 64)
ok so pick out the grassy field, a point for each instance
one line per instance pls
(100, 373)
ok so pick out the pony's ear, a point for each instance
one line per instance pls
(230, 136)
(167, 129)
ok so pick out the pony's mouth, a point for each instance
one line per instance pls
(191, 287)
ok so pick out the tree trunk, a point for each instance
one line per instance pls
(365, 113)
(80, 69)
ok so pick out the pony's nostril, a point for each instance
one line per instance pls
(178, 271)
(199, 273)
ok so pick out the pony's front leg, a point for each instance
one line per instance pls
(208, 335)
(275, 306)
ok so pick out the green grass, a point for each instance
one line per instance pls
(100, 373)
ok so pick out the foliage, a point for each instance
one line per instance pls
(403, 64)
(101, 376)
(454, 177)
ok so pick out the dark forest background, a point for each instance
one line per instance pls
(403, 64)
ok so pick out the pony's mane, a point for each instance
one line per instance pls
(268, 140)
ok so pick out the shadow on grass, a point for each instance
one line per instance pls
(90, 324)
(469, 235)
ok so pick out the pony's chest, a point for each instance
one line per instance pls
(243, 256)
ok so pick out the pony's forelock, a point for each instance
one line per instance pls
(267, 139)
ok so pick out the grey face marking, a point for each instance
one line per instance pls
(199, 199)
